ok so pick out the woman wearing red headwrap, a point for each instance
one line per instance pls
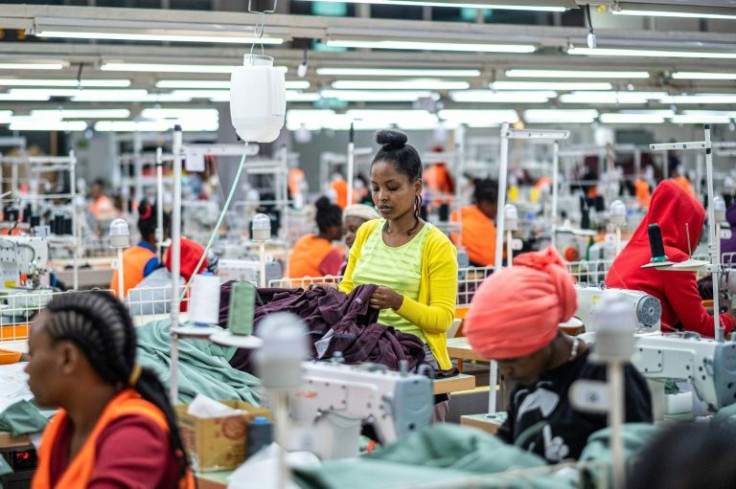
(514, 320)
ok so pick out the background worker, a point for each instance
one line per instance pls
(99, 205)
(412, 262)
(115, 426)
(514, 320)
(680, 218)
(315, 255)
(353, 217)
(477, 226)
(140, 261)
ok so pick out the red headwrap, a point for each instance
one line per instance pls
(516, 311)
(190, 254)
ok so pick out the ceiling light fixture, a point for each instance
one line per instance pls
(40, 82)
(562, 86)
(487, 96)
(219, 84)
(81, 113)
(621, 118)
(400, 85)
(398, 72)
(131, 36)
(699, 75)
(32, 66)
(547, 116)
(651, 53)
(375, 95)
(690, 13)
(575, 74)
(433, 46)
(539, 7)
(47, 125)
(169, 68)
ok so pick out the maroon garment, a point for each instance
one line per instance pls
(131, 452)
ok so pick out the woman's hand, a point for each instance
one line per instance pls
(385, 298)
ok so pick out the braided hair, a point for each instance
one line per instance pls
(102, 328)
(405, 159)
(147, 221)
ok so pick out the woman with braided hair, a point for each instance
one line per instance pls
(115, 427)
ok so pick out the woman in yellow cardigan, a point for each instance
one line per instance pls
(413, 263)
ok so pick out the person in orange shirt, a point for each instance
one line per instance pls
(478, 231)
(642, 192)
(140, 260)
(115, 426)
(683, 182)
(100, 206)
(339, 187)
(314, 255)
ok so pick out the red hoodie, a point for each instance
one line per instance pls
(671, 208)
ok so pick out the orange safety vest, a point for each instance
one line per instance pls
(79, 470)
(307, 255)
(685, 184)
(296, 177)
(437, 179)
(478, 235)
(340, 187)
(134, 263)
(643, 195)
(7, 357)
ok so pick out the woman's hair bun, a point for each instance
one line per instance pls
(391, 139)
(322, 203)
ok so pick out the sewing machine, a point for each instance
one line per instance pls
(248, 270)
(336, 399)
(647, 308)
(23, 276)
(709, 365)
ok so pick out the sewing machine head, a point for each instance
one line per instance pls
(335, 400)
(647, 309)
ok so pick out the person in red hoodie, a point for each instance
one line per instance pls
(676, 212)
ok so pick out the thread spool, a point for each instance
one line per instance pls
(656, 244)
(204, 302)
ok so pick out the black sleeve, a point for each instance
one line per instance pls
(506, 432)
(638, 397)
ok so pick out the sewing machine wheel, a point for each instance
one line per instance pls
(648, 311)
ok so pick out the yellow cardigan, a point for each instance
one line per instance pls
(435, 309)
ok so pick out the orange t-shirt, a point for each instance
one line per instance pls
(643, 195)
(684, 183)
(313, 256)
(340, 187)
(478, 235)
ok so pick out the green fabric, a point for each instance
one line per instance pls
(5, 468)
(635, 435)
(378, 264)
(444, 452)
(23, 418)
(203, 366)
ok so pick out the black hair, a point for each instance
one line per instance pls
(486, 190)
(102, 328)
(405, 159)
(328, 214)
(147, 220)
(101, 182)
(687, 457)
(395, 150)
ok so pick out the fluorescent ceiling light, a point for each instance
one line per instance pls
(375, 95)
(545, 116)
(563, 86)
(621, 118)
(166, 68)
(32, 66)
(72, 92)
(397, 72)
(6, 116)
(220, 84)
(479, 118)
(434, 46)
(487, 96)
(722, 113)
(689, 13)
(224, 95)
(457, 4)
(81, 114)
(701, 98)
(86, 96)
(611, 97)
(40, 82)
(697, 75)
(400, 85)
(171, 68)
(47, 125)
(700, 119)
(651, 53)
(626, 75)
(159, 113)
(24, 97)
(162, 125)
(292, 96)
(125, 36)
